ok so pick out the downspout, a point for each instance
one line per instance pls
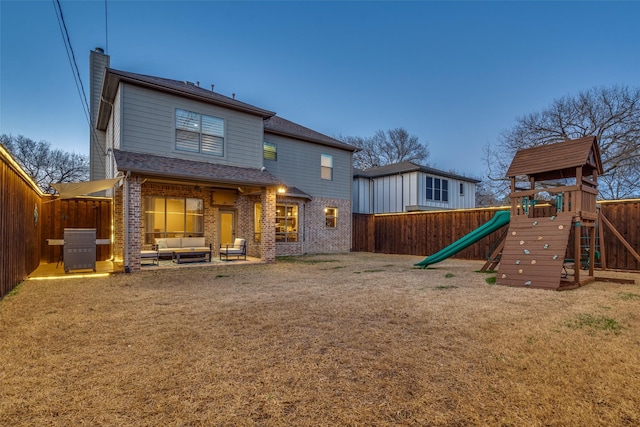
(402, 191)
(125, 247)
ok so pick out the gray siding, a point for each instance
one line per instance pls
(362, 195)
(298, 165)
(394, 193)
(114, 133)
(97, 148)
(148, 126)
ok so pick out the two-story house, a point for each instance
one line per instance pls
(198, 163)
(409, 187)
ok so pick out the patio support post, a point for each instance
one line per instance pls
(268, 218)
(134, 222)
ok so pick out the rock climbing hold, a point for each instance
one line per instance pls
(526, 251)
(555, 257)
(517, 262)
(552, 217)
(535, 223)
(533, 261)
(522, 242)
(560, 227)
(527, 283)
(546, 246)
(504, 276)
(539, 237)
(513, 233)
(520, 271)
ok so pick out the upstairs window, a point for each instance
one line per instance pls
(270, 151)
(437, 189)
(199, 133)
(326, 167)
(461, 189)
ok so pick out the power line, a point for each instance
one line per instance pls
(106, 28)
(76, 75)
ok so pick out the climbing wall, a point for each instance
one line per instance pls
(534, 251)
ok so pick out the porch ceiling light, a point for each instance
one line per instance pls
(281, 190)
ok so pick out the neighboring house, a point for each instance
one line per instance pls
(408, 187)
(198, 163)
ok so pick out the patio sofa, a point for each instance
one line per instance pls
(165, 247)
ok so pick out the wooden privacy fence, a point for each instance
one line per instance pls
(28, 218)
(425, 233)
(20, 223)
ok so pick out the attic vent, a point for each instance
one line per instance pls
(189, 83)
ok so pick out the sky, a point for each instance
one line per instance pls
(454, 74)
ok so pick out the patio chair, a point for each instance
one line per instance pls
(238, 249)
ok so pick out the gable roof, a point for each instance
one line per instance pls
(559, 160)
(149, 164)
(404, 167)
(113, 78)
(279, 126)
(272, 123)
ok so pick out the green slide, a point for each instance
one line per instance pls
(499, 220)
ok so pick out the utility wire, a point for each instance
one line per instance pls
(106, 28)
(76, 76)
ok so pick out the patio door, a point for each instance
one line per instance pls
(227, 227)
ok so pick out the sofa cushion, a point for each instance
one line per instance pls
(162, 243)
(193, 242)
(174, 242)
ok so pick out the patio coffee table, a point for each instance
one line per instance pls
(190, 255)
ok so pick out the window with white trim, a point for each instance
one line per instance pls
(331, 217)
(326, 167)
(437, 189)
(199, 133)
(270, 151)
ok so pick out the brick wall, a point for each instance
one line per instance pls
(134, 243)
(268, 244)
(244, 227)
(319, 237)
(118, 221)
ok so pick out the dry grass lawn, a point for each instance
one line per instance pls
(350, 340)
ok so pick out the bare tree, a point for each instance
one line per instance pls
(383, 148)
(611, 114)
(46, 165)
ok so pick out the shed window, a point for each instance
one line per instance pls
(437, 189)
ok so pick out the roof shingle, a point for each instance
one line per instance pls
(557, 160)
(148, 164)
(403, 167)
